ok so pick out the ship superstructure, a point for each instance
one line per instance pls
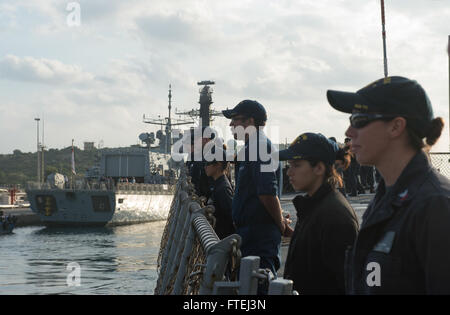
(128, 185)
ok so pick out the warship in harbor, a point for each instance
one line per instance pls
(129, 185)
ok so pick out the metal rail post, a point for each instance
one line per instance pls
(281, 286)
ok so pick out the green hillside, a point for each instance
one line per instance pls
(19, 168)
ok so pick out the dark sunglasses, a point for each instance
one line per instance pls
(360, 120)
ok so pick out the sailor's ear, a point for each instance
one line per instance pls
(319, 169)
(397, 126)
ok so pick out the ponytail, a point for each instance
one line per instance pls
(432, 136)
(332, 177)
(435, 130)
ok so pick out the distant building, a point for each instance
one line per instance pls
(88, 146)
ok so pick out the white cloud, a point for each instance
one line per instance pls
(41, 70)
(285, 53)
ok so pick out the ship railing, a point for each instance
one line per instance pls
(128, 188)
(140, 188)
(193, 260)
(78, 185)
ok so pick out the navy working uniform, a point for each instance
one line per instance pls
(201, 182)
(404, 242)
(222, 196)
(326, 225)
(403, 246)
(352, 183)
(260, 234)
(196, 169)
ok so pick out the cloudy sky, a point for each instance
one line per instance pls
(94, 82)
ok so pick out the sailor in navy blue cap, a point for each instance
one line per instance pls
(222, 193)
(256, 209)
(404, 240)
(326, 223)
(197, 138)
(248, 109)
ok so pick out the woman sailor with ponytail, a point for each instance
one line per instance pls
(326, 223)
(403, 246)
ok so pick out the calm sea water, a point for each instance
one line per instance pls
(112, 260)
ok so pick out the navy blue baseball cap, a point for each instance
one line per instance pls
(247, 108)
(311, 146)
(391, 95)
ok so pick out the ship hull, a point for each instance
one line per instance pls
(67, 207)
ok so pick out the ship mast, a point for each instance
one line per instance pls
(168, 124)
(205, 112)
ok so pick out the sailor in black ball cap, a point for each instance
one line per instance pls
(326, 223)
(197, 140)
(404, 241)
(222, 191)
(256, 209)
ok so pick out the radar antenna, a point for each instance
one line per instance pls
(205, 113)
(168, 123)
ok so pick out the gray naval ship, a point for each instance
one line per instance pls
(129, 185)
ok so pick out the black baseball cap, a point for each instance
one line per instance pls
(248, 108)
(391, 95)
(311, 145)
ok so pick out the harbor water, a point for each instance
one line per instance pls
(112, 260)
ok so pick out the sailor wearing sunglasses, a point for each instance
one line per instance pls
(403, 246)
